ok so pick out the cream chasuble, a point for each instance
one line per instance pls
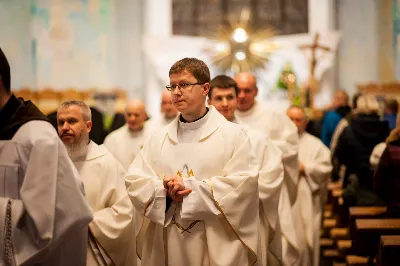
(312, 193)
(283, 133)
(43, 211)
(269, 161)
(113, 223)
(159, 122)
(125, 144)
(217, 224)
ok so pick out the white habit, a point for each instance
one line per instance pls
(312, 193)
(217, 224)
(283, 133)
(270, 179)
(43, 211)
(113, 223)
(125, 144)
(158, 123)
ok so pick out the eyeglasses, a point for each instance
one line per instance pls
(182, 86)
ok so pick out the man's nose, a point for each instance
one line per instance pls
(224, 102)
(241, 94)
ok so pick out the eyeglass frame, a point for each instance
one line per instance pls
(169, 87)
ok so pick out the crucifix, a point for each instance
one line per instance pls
(312, 83)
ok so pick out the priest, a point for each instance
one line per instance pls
(196, 183)
(223, 96)
(111, 233)
(168, 112)
(314, 170)
(43, 212)
(283, 133)
(126, 142)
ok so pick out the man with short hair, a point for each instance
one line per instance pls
(111, 233)
(43, 211)
(314, 169)
(223, 96)
(277, 126)
(195, 181)
(126, 142)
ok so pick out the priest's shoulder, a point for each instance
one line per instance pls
(234, 129)
(36, 131)
(116, 133)
(312, 139)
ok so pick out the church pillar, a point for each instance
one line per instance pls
(129, 55)
(157, 21)
(321, 19)
(321, 14)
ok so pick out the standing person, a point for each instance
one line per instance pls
(223, 96)
(168, 112)
(314, 170)
(126, 142)
(111, 233)
(203, 165)
(283, 134)
(43, 212)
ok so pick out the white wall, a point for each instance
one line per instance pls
(358, 50)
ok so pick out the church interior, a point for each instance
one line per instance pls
(320, 55)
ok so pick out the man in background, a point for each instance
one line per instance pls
(111, 233)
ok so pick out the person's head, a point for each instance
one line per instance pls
(223, 96)
(391, 106)
(189, 83)
(247, 85)
(74, 122)
(367, 104)
(5, 78)
(341, 98)
(167, 107)
(298, 116)
(135, 114)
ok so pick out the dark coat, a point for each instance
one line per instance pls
(387, 178)
(355, 146)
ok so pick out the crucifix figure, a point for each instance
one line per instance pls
(312, 84)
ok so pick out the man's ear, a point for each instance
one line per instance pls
(89, 126)
(206, 88)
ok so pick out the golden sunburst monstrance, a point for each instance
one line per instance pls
(238, 47)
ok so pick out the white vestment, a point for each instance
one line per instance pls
(283, 133)
(43, 211)
(113, 223)
(158, 123)
(217, 224)
(270, 179)
(125, 144)
(312, 194)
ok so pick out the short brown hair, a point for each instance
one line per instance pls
(193, 65)
(223, 82)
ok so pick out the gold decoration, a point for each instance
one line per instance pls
(241, 48)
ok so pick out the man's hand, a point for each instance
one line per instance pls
(302, 169)
(176, 188)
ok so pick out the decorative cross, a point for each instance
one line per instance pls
(313, 63)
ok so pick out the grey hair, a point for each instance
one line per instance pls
(85, 109)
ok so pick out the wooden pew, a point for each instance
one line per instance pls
(366, 233)
(389, 251)
(372, 212)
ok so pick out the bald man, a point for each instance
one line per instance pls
(283, 133)
(314, 171)
(168, 112)
(126, 142)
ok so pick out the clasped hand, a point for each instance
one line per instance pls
(175, 187)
